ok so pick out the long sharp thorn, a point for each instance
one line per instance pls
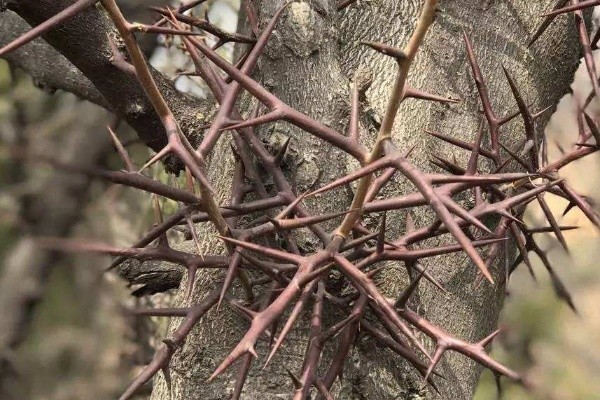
(544, 25)
(386, 49)
(574, 7)
(489, 338)
(281, 255)
(561, 290)
(297, 383)
(167, 375)
(509, 215)
(593, 128)
(381, 236)
(366, 170)
(307, 221)
(271, 116)
(552, 221)
(163, 152)
(278, 158)
(408, 292)
(241, 378)
(323, 389)
(231, 273)
(160, 359)
(419, 94)
(241, 349)
(464, 214)
(162, 30)
(459, 143)
(129, 167)
(417, 266)
(294, 314)
(288, 209)
(546, 229)
(194, 233)
(581, 203)
(437, 357)
(569, 207)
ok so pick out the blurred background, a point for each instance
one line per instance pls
(70, 337)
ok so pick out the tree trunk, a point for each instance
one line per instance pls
(309, 63)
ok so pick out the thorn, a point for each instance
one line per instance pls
(163, 241)
(191, 280)
(386, 49)
(593, 128)
(509, 215)
(282, 255)
(437, 357)
(489, 338)
(284, 213)
(459, 143)
(371, 274)
(464, 214)
(552, 221)
(170, 344)
(252, 351)
(167, 375)
(161, 30)
(561, 290)
(163, 152)
(541, 112)
(381, 236)
(232, 270)
(271, 116)
(408, 292)
(572, 7)
(569, 207)
(294, 223)
(278, 159)
(418, 94)
(129, 167)
(297, 383)
(544, 25)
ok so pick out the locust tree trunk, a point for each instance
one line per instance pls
(309, 64)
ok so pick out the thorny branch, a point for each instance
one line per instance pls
(298, 278)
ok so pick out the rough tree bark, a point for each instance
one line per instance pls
(309, 63)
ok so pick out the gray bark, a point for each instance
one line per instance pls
(308, 64)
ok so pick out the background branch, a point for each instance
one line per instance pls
(84, 41)
(49, 69)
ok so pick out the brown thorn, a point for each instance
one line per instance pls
(381, 236)
(129, 167)
(386, 49)
(571, 8)
(544, 25)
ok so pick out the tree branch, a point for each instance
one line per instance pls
(84, 41)
(49, 69)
